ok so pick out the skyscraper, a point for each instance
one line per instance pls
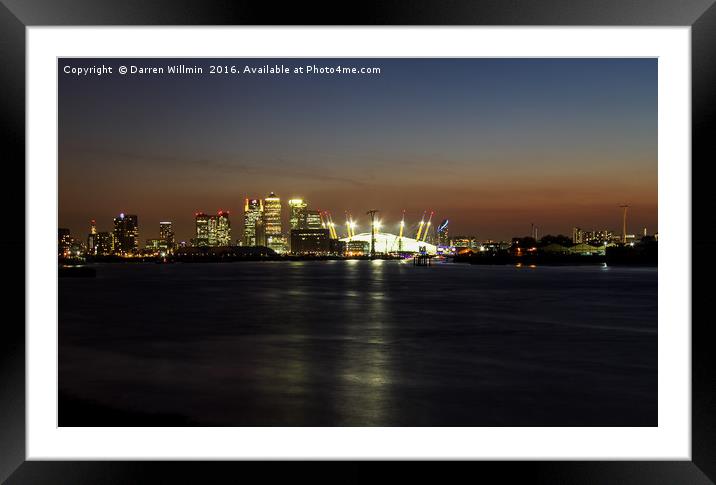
(577, 235)
(126, 233)
(297, 217)
(212, 231)
(313, 219)
(166, 234)
(64, 241)
(92, 238)
(105, 244)
(253, 216)
(202, 223)
(443, 238)
(223, 229)
(272, 224)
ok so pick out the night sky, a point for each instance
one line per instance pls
(491, 144)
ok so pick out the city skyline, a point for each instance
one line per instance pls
(286, 216)
(494, 144)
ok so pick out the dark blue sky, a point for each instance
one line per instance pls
(491, 144)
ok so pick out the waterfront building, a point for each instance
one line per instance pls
(465, 242)
(599, 237)
(313, 219)
(260, 232)
(64, 241)
(223, 229)
(253, 217)
(442, 230)
(105, 244)
(153, 245)
(386, 243)
(166, 234)
(212, 231)
(297, 213)
(275, 238)
(310, 241)
(577, 235)
(584, 249)
(202, 223)
(357, 247)
(278, 244)
(126, 233)
(92, 238)
(337, 247)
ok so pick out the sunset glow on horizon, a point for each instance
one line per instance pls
(495, 145)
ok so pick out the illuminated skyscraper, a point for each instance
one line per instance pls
(253, 216)
(443, 239)
(105, 244)
(64, 241)
(272, 215)
(310, 241)
(577, 235)
(298, 213)
(260, 232)
(126, 234)
(166, 234)
(313, 219)
(272, 224)
(92, 238)
(212, 231)
(223, 229)
(203, 229)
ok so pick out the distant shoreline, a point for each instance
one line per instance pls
(486, 260)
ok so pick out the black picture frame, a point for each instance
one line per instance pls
(16, 15)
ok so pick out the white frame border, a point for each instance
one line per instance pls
(671, 440)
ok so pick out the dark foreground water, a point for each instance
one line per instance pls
(358, 343)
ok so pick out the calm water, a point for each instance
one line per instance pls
(358, 343)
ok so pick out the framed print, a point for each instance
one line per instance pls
(412, 234)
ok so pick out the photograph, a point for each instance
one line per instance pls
(357, 242)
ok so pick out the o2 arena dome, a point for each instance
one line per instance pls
(390, 243)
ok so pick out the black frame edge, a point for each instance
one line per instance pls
(703, 362)
(701, 14)
(12, 342)
(386, 12)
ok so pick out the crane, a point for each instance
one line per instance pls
(427, 226)
(420, 227)
(348, 225)
(327, 223)
(624, 222)
(399, 239)
(372, 213)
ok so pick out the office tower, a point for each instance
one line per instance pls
(297, 218)
(272, 215)
(260, 232)
(92, 238)
(154, 245)
(105, 244)
(272, 224)
(223, 229)
(126, 234)
(313, 219)
(64, 241)
(166, 234)
(577, 235)
(310, 241)
(253, 216)
(202, 222)
(443, 239)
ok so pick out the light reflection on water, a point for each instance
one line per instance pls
(364, 343)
